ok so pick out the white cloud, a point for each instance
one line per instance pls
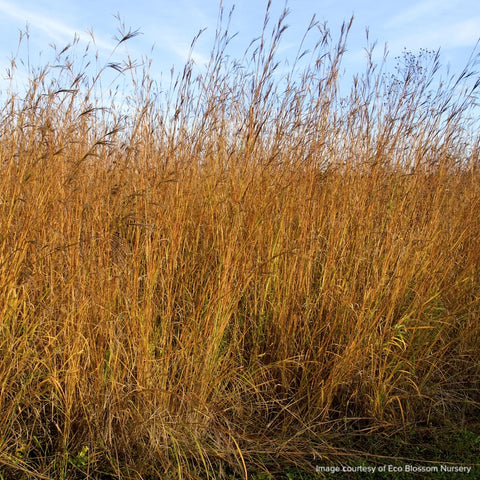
(463, 33)
(177, 42)
(58, 31)
(434, 24)
(171, 41)
(421, 11)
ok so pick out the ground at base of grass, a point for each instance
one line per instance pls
(427, 453)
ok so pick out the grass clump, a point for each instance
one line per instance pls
(221, 278)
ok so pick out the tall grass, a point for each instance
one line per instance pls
(227, 273)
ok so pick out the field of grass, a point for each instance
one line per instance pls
(240, 273)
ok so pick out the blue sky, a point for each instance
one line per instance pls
(169, 26)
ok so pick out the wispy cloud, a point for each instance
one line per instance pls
(173, 32)
(55, 29)
(175, 41)
(183, 51)
(463, 33)
(421, 11)
(435, 23)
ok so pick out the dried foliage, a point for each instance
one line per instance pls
(223, 274)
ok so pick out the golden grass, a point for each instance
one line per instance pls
(227, 277)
